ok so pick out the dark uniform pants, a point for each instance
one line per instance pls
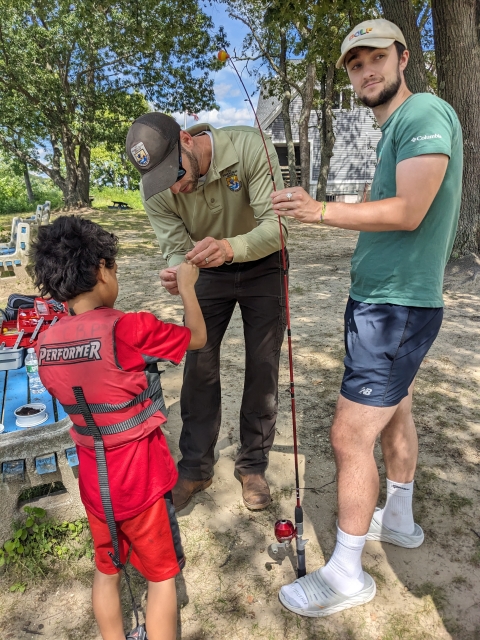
(258, 288)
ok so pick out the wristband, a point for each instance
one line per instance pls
(322, 213)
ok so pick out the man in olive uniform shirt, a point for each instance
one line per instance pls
(207, 192)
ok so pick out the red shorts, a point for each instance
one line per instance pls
(153, 536)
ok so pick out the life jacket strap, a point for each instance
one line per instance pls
(102, 470)
(153, 388)
(112, 429)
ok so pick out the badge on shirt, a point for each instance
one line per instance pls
(140, 154)
(233, 183)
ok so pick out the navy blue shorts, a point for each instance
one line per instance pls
(385, 345)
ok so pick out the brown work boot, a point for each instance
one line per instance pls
(255, 490)
(183, 491)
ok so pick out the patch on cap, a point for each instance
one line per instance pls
(360, 32)
(140, 154)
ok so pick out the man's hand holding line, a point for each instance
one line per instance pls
(206, 253)
(209, 253)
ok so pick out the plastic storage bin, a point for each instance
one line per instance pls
(11, 358)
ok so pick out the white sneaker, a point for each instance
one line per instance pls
(323, 599)
(378, 531)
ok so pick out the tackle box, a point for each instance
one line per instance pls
(44, 312)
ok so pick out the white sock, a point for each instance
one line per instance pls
(397, 513)
(344, 569)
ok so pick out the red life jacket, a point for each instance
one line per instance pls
(79, 351)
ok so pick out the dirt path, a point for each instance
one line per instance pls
(229, 587)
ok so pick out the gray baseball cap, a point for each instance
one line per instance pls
(153, 147)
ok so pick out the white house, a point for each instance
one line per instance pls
(357, 136)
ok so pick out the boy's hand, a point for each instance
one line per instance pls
(187, 275)
(168, 279)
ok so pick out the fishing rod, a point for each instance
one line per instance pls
(285, 530)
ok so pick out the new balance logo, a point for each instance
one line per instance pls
(366, 391)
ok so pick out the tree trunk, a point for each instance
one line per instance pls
(327, 133)
(74, 192)
(402, 13)
(83, 173)
(28, 184)
(303, 122)
(287, 122)
(457, 45)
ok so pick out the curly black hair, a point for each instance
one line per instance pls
(67, 255)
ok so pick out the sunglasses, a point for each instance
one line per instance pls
(181, 170)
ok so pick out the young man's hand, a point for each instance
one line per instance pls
(187, 275)
(418, 180)
(296, 203)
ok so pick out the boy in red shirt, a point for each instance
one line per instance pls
(101, 365)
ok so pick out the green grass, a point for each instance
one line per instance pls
(428, 589)
(475, 559)
(104, 196)
(455, 503)
(377, 575)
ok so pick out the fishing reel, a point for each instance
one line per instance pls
(285, 532)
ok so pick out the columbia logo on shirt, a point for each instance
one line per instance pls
(435, 135)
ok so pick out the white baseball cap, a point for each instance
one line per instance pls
(378, 34)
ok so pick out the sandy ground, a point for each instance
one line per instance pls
(229, 587)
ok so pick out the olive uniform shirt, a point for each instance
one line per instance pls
(233, 203)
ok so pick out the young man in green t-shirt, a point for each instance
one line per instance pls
(394, 311)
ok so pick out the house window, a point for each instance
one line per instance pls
(282, 153)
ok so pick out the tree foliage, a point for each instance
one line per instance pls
(313, 33)
(110, 168)
(442, 36)
(13, 194)
(72, 75)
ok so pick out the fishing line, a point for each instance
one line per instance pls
(285, 531)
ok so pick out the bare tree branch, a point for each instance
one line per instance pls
(265, 52)
(423, 16)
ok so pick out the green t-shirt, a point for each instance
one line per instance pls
(407, 267)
